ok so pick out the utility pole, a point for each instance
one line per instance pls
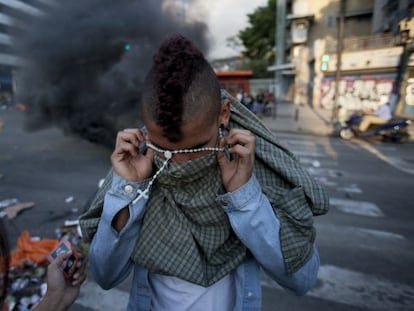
(280, 25)
(340, 41)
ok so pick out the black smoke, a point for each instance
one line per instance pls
(85, 61)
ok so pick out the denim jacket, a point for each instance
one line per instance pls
(252, 219)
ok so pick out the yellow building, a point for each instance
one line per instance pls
(374, 52)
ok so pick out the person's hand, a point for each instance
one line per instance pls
(126, 160)
(61, 293)
(237, 172)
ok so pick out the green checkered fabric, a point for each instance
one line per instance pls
(186, 234)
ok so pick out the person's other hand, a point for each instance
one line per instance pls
(61, 293)
(126, 160)
(237, 172)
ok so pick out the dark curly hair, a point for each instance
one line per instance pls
(180, 85)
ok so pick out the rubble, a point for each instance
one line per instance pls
(69, 199)
(27, 275)
(13, 210)
(20, 106)
(8, 202)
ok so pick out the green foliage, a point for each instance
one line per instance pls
(258, 38)
(258, 66)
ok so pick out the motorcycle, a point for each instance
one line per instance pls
(395, 129)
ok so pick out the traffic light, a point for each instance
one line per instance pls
(325, 61)
(127, 46)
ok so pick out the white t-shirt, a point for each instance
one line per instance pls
(170, 293)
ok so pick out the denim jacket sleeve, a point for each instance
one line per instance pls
(110, 250)
(257, 226)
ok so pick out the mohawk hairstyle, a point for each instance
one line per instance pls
(180, 84)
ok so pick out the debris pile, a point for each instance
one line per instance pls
(27, 273)
(12, 207)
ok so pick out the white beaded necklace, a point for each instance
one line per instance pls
(168, 155)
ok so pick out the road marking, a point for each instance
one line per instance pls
(314, 163)
(330, 151)
(396, 162)
(362, 290)
(353, 188)
(325, 181)
(308, 154)
(326, 172)
(357, 207)
(298, 142)
(363, 236)
(357, 289)
(94, 297)
(379, 234)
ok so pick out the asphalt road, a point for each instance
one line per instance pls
(47, 168)
(366, 241)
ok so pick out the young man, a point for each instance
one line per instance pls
(213, 199)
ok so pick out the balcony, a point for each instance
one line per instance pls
(363, 43)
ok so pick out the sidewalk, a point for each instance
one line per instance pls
(299, 119)
(292, 118)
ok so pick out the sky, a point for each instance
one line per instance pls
(225, 18)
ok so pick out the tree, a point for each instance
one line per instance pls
(258, 39)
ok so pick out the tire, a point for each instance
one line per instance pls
(395, 137)
(346, 133)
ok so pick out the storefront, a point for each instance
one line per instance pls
(235, 81)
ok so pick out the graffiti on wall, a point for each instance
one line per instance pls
(409, 92)
(409, 98)
(357, 93)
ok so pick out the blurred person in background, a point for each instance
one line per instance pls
(375, 117)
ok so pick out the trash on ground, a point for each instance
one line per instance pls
(69, 199)
(31, 249)
(12, 211)
(8, 202)
(101, 182)
(21, 106)
(27, 275)
(316, 163)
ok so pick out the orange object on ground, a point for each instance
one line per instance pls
(31, 250)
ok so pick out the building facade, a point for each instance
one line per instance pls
(12, 15)
(366, 38)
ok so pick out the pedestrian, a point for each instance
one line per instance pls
(258, 105)
(248, 101)
(240, 95)
(211, 200)
(61, 293)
